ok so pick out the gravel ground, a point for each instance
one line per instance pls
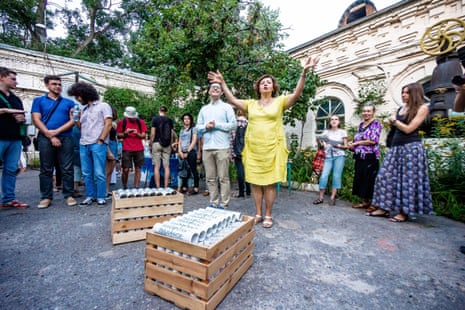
(314, 257)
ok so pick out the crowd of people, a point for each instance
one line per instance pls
(82, 140)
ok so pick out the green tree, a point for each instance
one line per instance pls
(180, 41)
(96, 31)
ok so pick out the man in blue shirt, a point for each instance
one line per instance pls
(215, 122)
(52, 115)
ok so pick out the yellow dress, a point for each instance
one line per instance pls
(265, 152)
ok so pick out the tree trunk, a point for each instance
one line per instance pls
(38, 32)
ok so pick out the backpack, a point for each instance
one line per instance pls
(138, 124)
(239, 142)
(164, 130)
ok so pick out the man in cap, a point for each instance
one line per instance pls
(132, 131)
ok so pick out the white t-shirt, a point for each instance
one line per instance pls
(331, 138)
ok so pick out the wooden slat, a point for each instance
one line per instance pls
(129, 236)
(122, 214)
(146, 201)
(123, 226)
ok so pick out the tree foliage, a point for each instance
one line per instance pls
(96, 31)
(181, 41)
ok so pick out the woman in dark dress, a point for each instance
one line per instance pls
(402, 185)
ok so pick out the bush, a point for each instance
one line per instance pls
(446, 158)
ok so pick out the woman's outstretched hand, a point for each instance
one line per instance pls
(311, 63)
(215, 77)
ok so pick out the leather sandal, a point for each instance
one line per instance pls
(399, 218)
(361, 206)
(378, 213)
(268, 222)
(317, 201)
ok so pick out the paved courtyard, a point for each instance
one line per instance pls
(314, 257)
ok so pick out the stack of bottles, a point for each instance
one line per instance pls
(202, 226)
(144, 192)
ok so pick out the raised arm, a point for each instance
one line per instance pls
(422, 113)
(217, 77)
(311, 63)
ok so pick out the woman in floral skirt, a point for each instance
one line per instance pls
(402, 185)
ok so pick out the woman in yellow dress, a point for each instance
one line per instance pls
(265, 152)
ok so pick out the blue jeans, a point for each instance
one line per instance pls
(47, 153)
(93, 159)
(336, 164)
(10, 151)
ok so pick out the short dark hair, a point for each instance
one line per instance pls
(87, 92)
(163, 109)
(256, 85)
(190, 117)
(49, 78)
(6, 72)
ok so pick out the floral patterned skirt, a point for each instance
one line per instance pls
(402, 184)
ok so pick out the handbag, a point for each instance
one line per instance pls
(318, 161)
(390, 135)
(183, 170)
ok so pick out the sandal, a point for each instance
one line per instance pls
(361, 206)
(399, 218)
(258, 219)
(268, 222)
(378, 213)
(371, 208)
(318, 201)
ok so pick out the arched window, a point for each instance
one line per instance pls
(329, 106)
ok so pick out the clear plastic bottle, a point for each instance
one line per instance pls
(76, 111)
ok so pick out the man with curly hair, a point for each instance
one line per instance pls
(95, 123)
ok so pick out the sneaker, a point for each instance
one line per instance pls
(108, 196)
(18, 205)
(212, 206)
(44, 203)
(70, 201)
(88, 201)
(101, 202)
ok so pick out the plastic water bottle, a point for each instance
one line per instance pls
(77, 107)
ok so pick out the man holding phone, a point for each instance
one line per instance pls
(11, 118)
(132, 131)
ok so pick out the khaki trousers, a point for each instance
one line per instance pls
(216, 163)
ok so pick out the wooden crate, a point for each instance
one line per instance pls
(200, 283)
(131, 218)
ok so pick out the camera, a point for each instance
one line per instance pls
(458, 80)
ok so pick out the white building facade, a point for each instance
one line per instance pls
(384, 46)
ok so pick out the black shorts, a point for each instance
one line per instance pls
(133, 156)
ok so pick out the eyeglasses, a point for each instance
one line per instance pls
(55, 84)
(216, 87)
